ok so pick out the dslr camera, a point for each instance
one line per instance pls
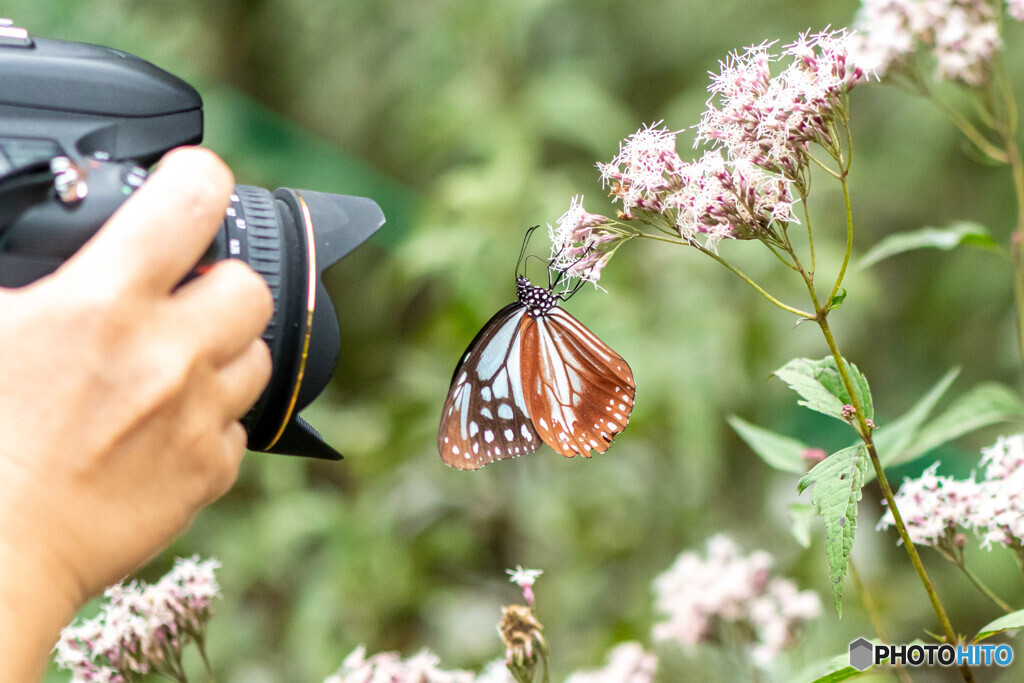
(79, 125)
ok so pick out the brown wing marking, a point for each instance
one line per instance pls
(579, 391)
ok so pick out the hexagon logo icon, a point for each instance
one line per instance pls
(862, 654)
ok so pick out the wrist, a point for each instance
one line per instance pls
(38, 596)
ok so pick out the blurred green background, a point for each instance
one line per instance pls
(468, 122)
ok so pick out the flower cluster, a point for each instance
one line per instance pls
(961, 35)
(142, 628)
(708, 598)
(627, 663)
(771, 122)
(934, 508)
(757, 131)
(389, 667)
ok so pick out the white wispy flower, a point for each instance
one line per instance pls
(705, 598)
(962, 36)
(389, 667)
(933, 507)
(627, 663)
(141, 626)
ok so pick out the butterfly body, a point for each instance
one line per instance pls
(534, 374)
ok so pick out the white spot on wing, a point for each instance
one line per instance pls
(505, 411)
(500, 385)
(494, 354)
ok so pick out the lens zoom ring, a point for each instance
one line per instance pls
(263, 238)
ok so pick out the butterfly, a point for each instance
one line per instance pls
(534, 374)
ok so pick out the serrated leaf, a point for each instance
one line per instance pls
(837, 300)
(800, 516)
(778, 451)
(962, 233)
(981, 406)
(835, 485)
(1007, 622)
(821, 386)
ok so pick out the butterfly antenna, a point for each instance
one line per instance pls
(564, 272)
(522, 251)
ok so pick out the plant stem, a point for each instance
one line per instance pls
(849, 241)
(760, 290)
(874, 617)
(971, 132)
(869, 604)
(865, 433)
(983, 588)
(883, 482)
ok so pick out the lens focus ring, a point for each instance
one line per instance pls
(263, 239)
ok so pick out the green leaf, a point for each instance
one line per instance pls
(843, 674)
(822, 388)
(1007, 622)
(778, 451)
(836, 487)
(962, 233)
(893, 438)
(801, 515)
(983, 405)
(837, 300)
(831, 670)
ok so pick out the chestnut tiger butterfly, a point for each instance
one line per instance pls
(534, 373)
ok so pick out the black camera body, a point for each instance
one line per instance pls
(80, 123)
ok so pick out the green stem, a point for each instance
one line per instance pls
(983, 588)
(865, 433)
(883, 482)
(1007, 130)
(849, 240)
(760, 290)
(201, 645)
(874, 616)
(971, 132)
(743, 276)
(823, 166)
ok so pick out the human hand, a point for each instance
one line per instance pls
(120, 392)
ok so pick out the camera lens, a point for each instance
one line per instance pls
(289, 238)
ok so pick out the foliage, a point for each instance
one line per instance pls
(470, 122)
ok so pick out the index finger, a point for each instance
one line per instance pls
(158, 235)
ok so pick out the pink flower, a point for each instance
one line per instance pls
(627, 663)
(525, 578)
(1015, 8)
(933, 507)
(962, 36)
(583, 242)
(139, 626)
(705, 599)
(389, 667)
(770, 121)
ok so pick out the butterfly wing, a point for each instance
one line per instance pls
(578, 390)
(485, 417)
